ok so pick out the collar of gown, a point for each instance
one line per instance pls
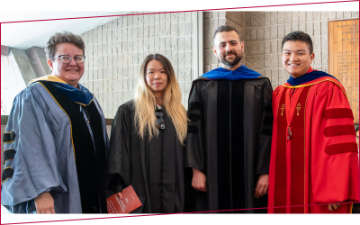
(224, 74)
(79, 95)
(309, 76)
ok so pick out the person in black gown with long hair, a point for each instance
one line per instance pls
(147, 140)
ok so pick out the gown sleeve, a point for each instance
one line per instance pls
(335, 153)
(30, 155)
(119, 154)
(195, 152)
(265, 135)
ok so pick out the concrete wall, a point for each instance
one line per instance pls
(212, 20)
(18, 67)
(240, 22)
(12, 81)
(116, 50)
(38, 61)
(3, 108)
(23, 64)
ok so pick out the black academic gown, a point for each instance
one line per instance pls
(90, 150)
(154, 168)
(229, 140)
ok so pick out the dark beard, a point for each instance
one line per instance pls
(231, 64)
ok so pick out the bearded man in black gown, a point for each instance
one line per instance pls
(229, 135)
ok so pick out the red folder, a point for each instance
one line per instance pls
(129, 202)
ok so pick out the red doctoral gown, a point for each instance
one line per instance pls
(314, 157)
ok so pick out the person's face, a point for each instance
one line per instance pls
(156, 77)
(296, 58)
(228, 49)
(70, 72)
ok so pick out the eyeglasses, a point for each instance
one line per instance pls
(160, 123)
(66, 59)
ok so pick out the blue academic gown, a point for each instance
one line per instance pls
(43, 153)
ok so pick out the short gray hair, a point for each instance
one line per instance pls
(65, 37)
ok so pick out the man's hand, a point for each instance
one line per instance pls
(44, 203)
(333, 207)
(120, 195)
(199, 180)
(262, 185)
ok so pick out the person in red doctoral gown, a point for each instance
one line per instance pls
(314, 158)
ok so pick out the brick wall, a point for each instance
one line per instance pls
(264, 32)
(212, 20)
(239, 21)
(116, 50)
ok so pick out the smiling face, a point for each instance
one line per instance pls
(228, 49)
(296, 58)
(156, 77)
(70, 72)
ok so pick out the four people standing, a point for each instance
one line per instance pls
(225, 139)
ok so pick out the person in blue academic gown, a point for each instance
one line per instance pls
(55, 142)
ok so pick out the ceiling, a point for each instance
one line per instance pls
(27, 34)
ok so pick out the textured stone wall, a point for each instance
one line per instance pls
(264, 33)
(239, 21)
(116, 50)
(38, 61)
(23, 64)
(212, 20)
